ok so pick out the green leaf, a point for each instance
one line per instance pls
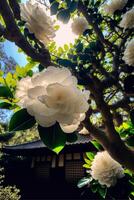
(5, 105)
(73, 6)
(41, 67)
(102, 192)
(94, 188)
(64, 16)
(87, 32)
(21, 120)
(127, 171)
(30, 73)
(65, 63)
(5, 92)
(87, 161)
(90, 155)
(79, 47)
(66, 47)
(132, 193)
(51, 1)
(53, 137)
(96, 145)
(130, 141)
(54, 8)
(87, 166)
(72, 137)
(84, 181)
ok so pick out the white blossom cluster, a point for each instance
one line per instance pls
(112, 5)
(79, 25)
(129, 53)
(37, 21)
(128, 19)
(105, 169)
(53, 96)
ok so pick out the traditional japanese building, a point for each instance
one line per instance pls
(40, 173)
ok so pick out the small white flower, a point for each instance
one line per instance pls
(129, 53)
(105, 169)
(37, 21)
(79, 25)
(128, 19)
(51, 96)
(111, 6)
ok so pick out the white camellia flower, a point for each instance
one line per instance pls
(111, 6)
(37, 21)
(22, 88)
(128, 19)
(52, 96)
(129, 53)
(105, 169)
(79, 25)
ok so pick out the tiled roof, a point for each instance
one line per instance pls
(83, 140)
(39, 144)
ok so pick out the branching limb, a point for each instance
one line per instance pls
(116, 148)
(15, 8)
(95, 27)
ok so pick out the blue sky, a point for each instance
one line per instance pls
(12, 50)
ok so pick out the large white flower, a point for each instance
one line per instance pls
(105, 169)
(111, 6)
(129, 53)
(79, 25)
(52, 96)
(37, 21)
(22, 89)
(128, 19)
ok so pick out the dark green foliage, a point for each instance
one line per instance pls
(4, 137)
(72, 137)
(51, 1)
(53, 137)
(5, 105)
(21, 120)
(64, 15)
(54, 8)
(65, 63)
(130, 141)
(5, 92)
(73, 6)
(79, 47)
(41, 67)
(87, 32)
(102, 191)
(30, 73)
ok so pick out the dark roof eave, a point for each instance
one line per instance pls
(43, 151)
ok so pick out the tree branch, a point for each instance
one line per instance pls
(121, 104)
(89, 18)
(15, 8)
(117, 149)
(12, 33)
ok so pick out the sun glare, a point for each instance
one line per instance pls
(64, 35)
